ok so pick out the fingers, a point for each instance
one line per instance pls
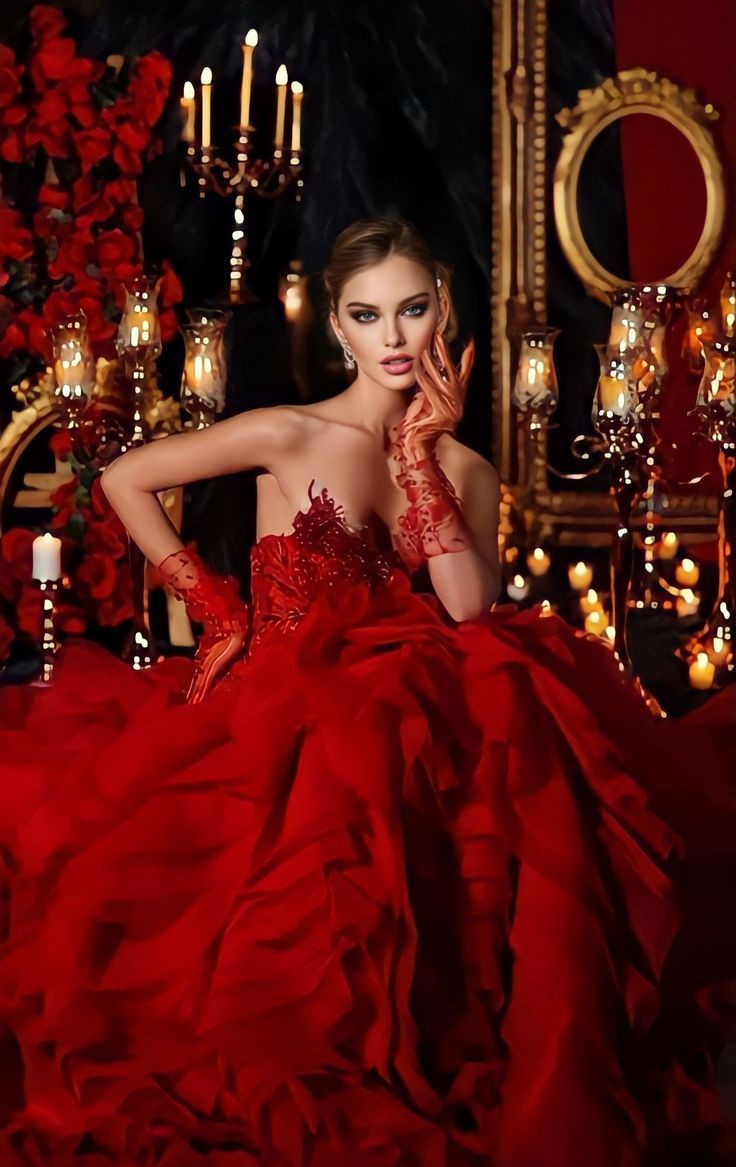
(215, 663)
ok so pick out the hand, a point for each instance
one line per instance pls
(403, 447)
(212, 659)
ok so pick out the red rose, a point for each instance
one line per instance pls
(73, 256)
(51, 195)
(169, 286)
(13, 340)
(117, 255)
(37, 340)
(70, 619)
(97, 573)
(9, 77)
(60, 443)
(54, 60)
(149, 86)
(16, 554)
(16, 241)
(92, 146)
(64, 501)
(46, 22)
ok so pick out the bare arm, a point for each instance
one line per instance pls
(260, 437)
(468, 582)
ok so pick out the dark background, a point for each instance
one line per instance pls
(396, 119)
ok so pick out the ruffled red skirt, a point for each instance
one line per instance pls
(398, 893)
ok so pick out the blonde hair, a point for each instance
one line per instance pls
(370, 241)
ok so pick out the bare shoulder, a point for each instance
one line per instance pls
(465, 468)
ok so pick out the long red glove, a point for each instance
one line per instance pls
(433, 523)
(214, 602)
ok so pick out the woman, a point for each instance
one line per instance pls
(402, 880)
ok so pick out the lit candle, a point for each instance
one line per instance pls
(728, 304)
(596, 622)
(614, 395)
(719, 650)
(297, 93)
(46, 557)
(590, 602)
(518, 589)
(580, 575)
(687, 573)
(702, 672)
(282, 78)
(538, 561)
(189, 109)
(668, 545)
(251, 40)
(206, 80)
(687, 603)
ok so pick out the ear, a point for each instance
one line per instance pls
(444, 308)
(335, 325)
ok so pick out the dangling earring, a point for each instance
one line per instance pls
(349, 358)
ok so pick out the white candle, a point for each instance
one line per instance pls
(282, 78)
(518, 589)
(538, 561)
(189, 109)
(702, 672)
(687, 573)
(206, 80)
(251, 40)
(46, 557)
(297, 94)
(580, 575)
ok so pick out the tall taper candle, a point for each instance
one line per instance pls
(297, 92)
(206, 79)
(189, 109)
(251, 40)
(282, 78)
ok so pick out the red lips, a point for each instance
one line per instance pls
(397, 357)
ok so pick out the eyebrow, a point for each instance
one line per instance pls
(360, 304)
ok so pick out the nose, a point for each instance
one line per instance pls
(393, 336)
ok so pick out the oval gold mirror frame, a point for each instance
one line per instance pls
(635, 91)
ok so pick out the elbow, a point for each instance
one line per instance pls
(461, 610)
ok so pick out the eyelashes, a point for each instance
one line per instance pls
(421, 309)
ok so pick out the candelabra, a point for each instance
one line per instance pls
(138, 345)
(631, 368)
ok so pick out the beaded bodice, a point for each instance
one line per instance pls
(289, 571)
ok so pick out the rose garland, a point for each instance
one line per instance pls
(74, 136)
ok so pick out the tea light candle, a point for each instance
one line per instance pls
(702, 672)
(46, 557)
(687, 573)
(518, 589)
(668, 544)
(687, 603)
(590, 602)
(596, 622)
(538, 561)
(580, 575)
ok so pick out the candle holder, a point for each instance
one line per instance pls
(204, 377)
(716, 411)
(74, 372)
(48, 589)
(237, 177)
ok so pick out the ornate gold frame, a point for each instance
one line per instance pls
(635, 91)
(520, 171)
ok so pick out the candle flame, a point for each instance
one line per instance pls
(251, 38)
(188, 91)
(206, 77)
(297, 87)
(282, 75)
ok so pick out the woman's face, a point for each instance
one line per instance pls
(387, 311)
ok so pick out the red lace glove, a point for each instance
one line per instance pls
(433, 524)
(214, 602)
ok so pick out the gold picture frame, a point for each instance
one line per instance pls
(521, 176)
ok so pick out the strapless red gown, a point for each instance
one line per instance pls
(398, 893)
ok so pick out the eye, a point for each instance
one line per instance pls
(412, 309)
